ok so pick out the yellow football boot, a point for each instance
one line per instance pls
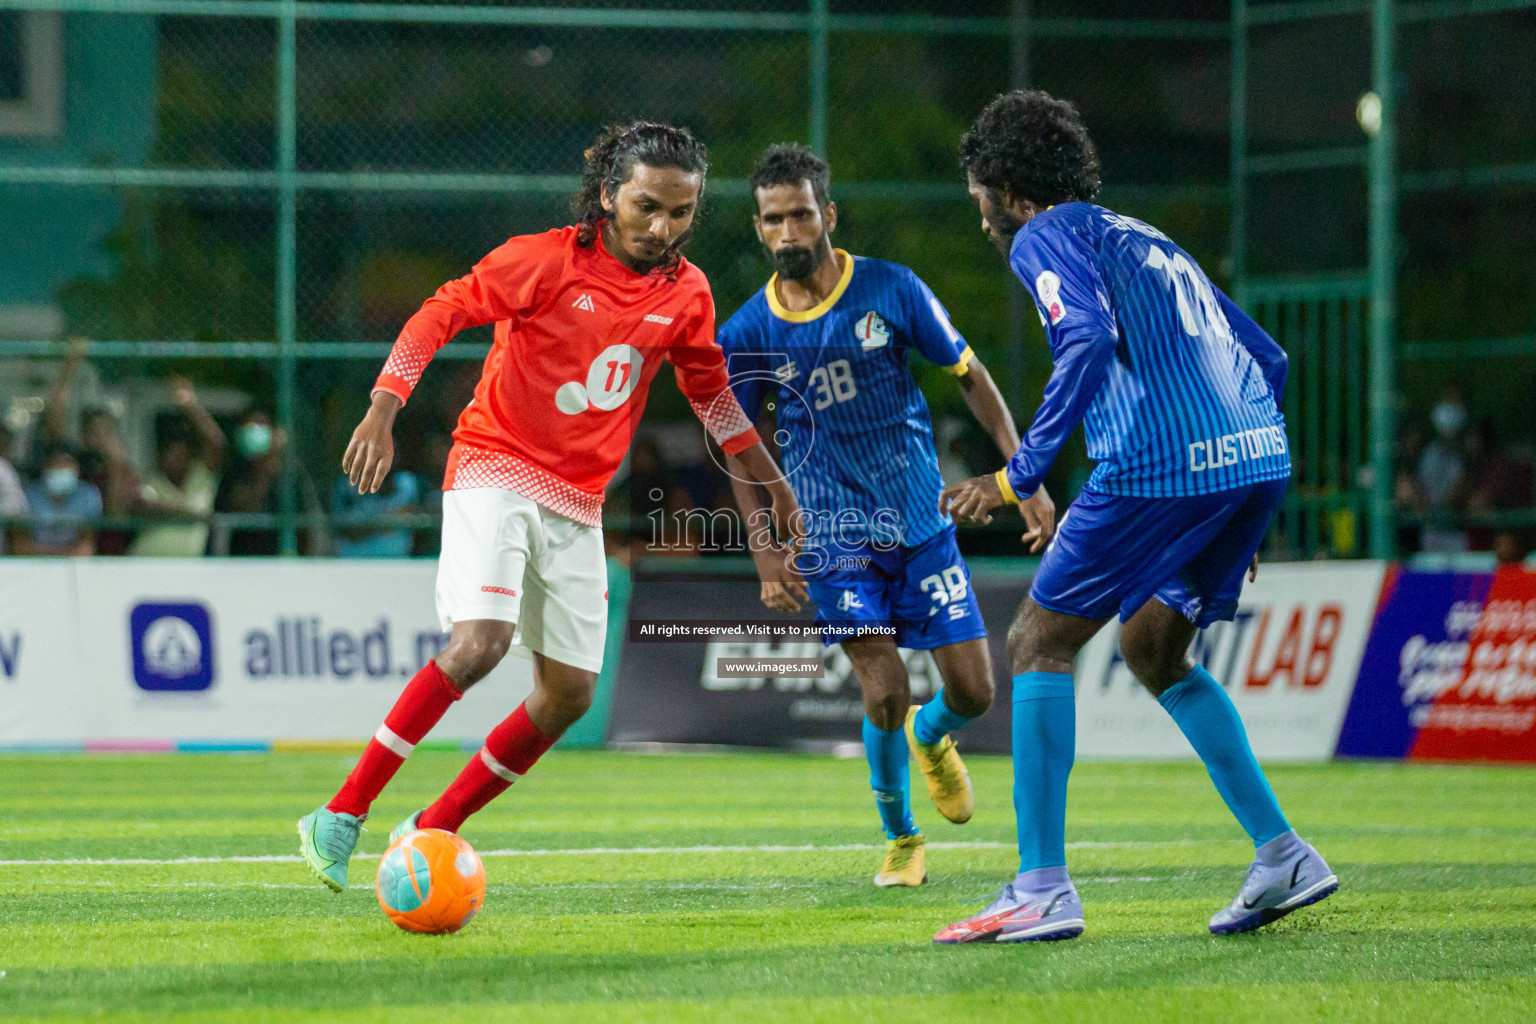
(949, 784)
(903, 863)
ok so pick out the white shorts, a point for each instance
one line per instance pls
(507, 557)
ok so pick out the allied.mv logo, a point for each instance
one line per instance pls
(172, 647)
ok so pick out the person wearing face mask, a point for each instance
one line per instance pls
(64, 504)
(1442, 475)
(248, 486)
(104, 459)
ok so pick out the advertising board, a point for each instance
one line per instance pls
(120, 650)
(1450, 670)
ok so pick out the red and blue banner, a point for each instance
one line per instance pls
(1449, 672)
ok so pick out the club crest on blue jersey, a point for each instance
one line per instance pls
(857, 440)
(1049, 287)
(871, 331)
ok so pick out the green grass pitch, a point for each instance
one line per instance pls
(737, 888)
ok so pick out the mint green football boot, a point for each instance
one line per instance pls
(326, 841)
(408, 825)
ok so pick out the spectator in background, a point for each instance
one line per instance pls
(1500, 481)
(1405, 483)
(13, 499)
(249, 484)
(650, 482)
(401, 491)
(103, 458)
(949, 444)
(184, 482)
(65, 504)
(1510, 547)
(1442, 475)
(105, 464)
(439, 447)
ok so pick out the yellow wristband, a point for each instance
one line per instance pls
(1007, 488)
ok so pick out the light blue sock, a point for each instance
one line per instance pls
(1205, 713)
(1044, 745)
(1042, 880)
(887, 754)
(935, 720)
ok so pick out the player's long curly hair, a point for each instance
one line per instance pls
(611, 159)
(1031, 146)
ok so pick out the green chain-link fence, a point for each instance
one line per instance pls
(258, 192)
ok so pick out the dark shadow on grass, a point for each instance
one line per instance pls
(1295, 955)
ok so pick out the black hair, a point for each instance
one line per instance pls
(54, 449)
(1031, 146)
(173, 428)
(789, 163)
(611, 159)
(95, 412)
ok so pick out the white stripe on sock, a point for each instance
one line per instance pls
(387, 737)
(497, 767)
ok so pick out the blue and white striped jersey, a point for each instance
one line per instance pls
(1177, 388)
(853, 429)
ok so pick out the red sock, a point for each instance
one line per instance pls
(425, 699)
(509, 751)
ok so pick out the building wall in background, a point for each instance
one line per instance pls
(105, 69)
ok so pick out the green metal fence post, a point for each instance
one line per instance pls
(821, 27)
(1018, 52)
(1383, 257)
(1239, 142)
(287, 266)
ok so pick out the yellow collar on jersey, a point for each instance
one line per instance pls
(818, 310)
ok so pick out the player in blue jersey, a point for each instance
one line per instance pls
(1179, 392)
(826, 340)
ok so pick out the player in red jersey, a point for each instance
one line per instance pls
(585, 316)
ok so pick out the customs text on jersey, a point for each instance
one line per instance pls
(1178, 389)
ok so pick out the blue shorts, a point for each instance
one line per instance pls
(1113, 553)
(923, 592)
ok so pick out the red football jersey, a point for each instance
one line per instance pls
(579, 336)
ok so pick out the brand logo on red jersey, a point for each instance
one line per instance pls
(585, 302)
(657, 318)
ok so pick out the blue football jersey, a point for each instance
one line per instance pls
(853, 430)
(1178, 390)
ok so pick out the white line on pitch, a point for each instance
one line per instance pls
(663, 886)
(603, 851)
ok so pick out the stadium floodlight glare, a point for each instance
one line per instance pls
(1368, 113)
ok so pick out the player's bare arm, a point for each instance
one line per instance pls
(758, 465)
(986, 403)
(372, 448)
(782, 587)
